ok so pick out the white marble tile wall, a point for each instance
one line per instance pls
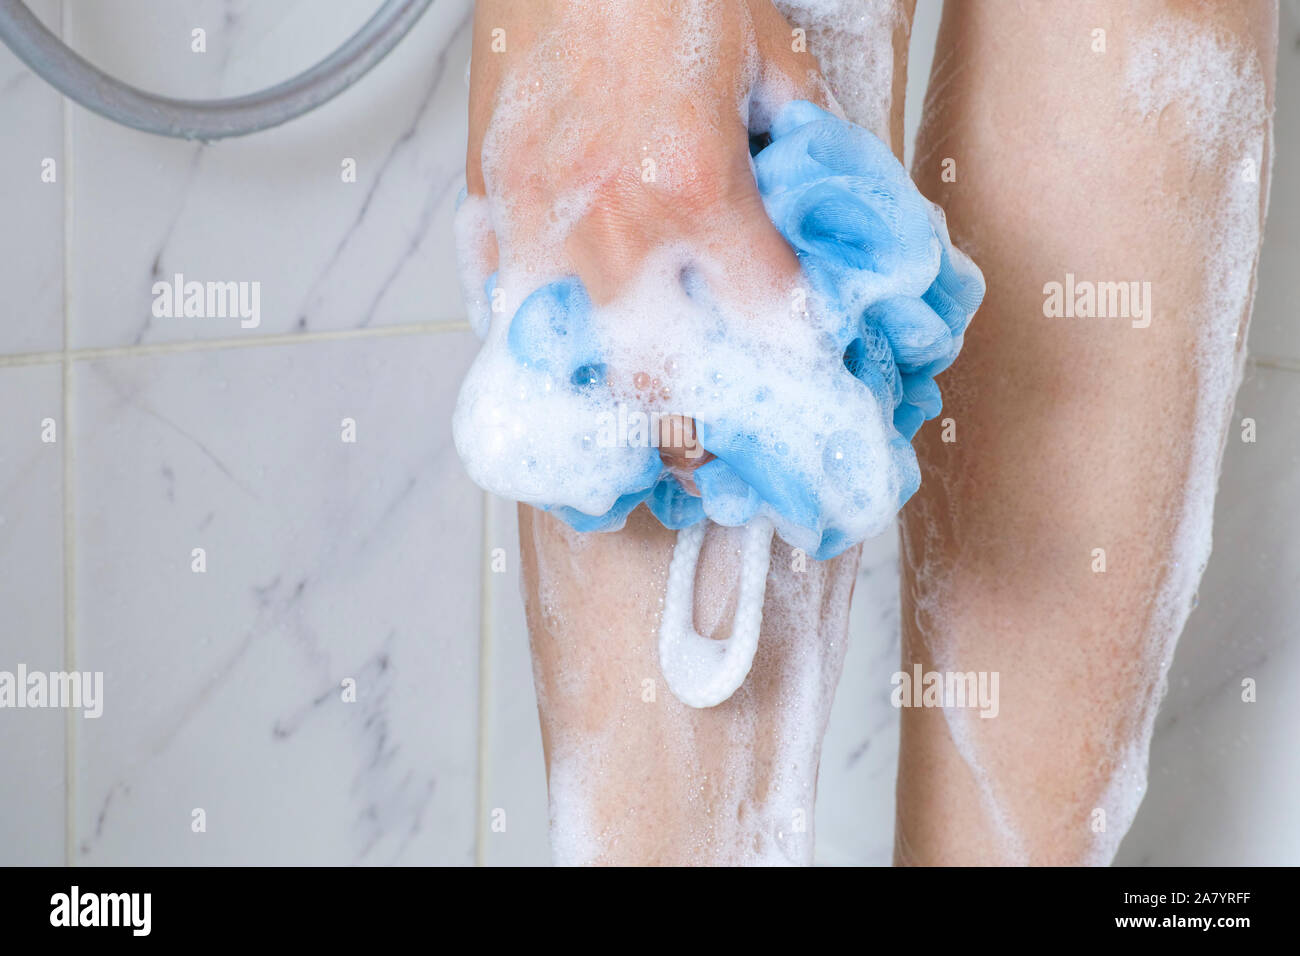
(31, 239)
(324, 560)
(274, 207)
(328, 560)
(32, 742)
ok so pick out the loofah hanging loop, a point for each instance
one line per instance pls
(702, 672)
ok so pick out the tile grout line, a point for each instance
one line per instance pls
(214, 345)
(25, 359)
(486, 593)
(1276, 363)
(69, 491)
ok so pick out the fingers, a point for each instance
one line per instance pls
(789, 70)
(681, 451)
(702, 196)
(484, 80)
(609, 245)
(476, 259)
(477, 250)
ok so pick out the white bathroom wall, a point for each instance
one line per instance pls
(328, 560)
(325, 560)
(32, 742)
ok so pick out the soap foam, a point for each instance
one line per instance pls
(525, 433)
(853, 41)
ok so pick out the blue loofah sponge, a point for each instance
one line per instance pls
(878, 257)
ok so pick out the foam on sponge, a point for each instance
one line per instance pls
(807, 403)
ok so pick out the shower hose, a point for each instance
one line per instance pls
(204, 120)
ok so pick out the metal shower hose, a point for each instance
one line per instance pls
(204, 120)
